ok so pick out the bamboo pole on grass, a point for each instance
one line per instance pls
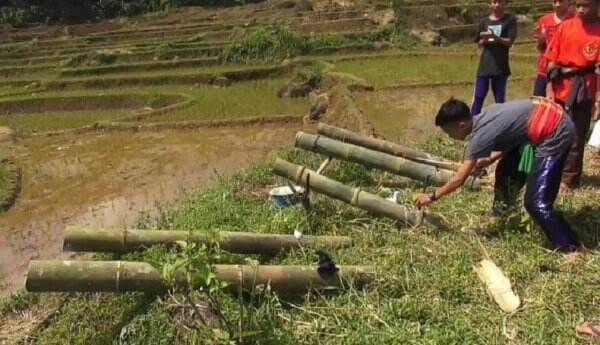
(385, 147)
(123, 241)
(354, 196)
(373, 159)
(123, 276)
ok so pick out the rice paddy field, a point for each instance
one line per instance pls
(173, 121)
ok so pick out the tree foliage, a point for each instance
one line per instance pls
(21, 12)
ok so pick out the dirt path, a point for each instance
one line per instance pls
(107, 179)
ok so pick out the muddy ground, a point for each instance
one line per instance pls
(110, 179)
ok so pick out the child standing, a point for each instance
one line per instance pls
(497, 32)
(543, 33)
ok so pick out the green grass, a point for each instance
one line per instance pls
(246, 99)
(169, 73)
(530, 48)
(390, 71)
(91, 319)
(240, 100)
(4, 185)
(54, 110)
(59, 120)
(175, 77)
(426, 291)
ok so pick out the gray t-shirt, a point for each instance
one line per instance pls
(503, 127)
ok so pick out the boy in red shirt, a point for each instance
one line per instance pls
(544, 32)
(573, 55)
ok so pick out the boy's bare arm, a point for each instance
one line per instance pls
(540, 38)
(464, 171)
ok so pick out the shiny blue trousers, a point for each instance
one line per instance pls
(542, 188)
(543, 184)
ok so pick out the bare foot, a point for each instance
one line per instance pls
(589, 329)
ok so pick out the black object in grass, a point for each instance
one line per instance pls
(326, 266)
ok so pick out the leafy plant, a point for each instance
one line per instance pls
(194, 264)
(310, 75)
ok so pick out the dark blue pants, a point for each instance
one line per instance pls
(482, 86)
(542, 188)
(539, 89)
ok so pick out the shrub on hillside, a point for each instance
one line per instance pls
(89, 59)
(267, 44)
(270, 44)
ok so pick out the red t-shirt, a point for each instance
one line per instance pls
(575, 45)
(547, 25)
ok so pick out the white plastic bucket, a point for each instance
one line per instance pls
(283, 197)
(595, 138)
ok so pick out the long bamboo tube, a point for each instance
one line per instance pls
(123, 276)
(354, 196)
(373, 159)
(123, 241)
(385, 146)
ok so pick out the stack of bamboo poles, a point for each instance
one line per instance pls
(339, 143)
(122, 276)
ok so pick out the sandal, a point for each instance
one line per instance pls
(589, 329)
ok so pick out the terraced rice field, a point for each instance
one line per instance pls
(407, 115)
(422, 69)
(118, 121)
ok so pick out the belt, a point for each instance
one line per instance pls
(579, 91)
(544, 121)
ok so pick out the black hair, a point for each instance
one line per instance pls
(452, 110)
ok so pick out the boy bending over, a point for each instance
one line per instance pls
(499, 133)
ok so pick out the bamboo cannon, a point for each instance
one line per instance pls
(354, 196)
(373, 159)
(123, 241)
(385, 147)
(123, 276)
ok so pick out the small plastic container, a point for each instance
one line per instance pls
(595, 137)
(283, 197)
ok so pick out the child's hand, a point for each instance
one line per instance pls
(539, 34)
(485, 34)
